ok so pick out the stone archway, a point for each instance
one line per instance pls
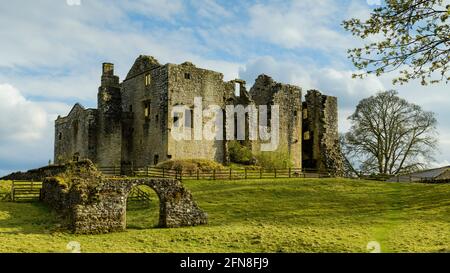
(96, 204)
(176, 209)
(176, 205)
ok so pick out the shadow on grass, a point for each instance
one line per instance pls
(27, 218)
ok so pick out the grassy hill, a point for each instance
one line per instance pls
(296, 215)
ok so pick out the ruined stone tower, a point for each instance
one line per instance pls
(134, 118)
(321, 149)
(109, 137)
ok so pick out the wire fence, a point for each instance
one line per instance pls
(216, 174)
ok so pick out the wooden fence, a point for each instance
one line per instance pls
(137, 194)
(25, 191)
(219, 174)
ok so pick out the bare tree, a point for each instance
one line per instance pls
(349, 165)
(411, 35)
(390, 135)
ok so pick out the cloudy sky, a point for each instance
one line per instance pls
(51, 54)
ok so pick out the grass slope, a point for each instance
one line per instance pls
(297, 215)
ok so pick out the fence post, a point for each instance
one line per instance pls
(245, 171)
(148, 174)
(260, 173)
(289, 172)
(230, 173)
(12, 191)
(275, 172)
(214, 174)
(198, 174)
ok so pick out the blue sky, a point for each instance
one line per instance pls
(51, 54)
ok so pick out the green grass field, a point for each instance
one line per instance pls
(296, 215)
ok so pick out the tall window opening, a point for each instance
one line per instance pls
(147, 79)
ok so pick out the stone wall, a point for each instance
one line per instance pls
(109, 132)
(145, 134)
(321, 149)
(76, 135)
(93, 204)
(266, 91)
(186, 82)
(49, 171)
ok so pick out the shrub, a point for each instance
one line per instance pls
(240, 154)
(190, 165)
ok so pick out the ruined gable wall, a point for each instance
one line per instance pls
(76, 133)
(185, 83)
(145, 137)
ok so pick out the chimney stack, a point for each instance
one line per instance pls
(108, 69)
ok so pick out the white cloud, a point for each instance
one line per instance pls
(21, 119)
(331, 81)
(26, 131)
(211, 10)
(166, 9)
(55, 50)
(299, 24)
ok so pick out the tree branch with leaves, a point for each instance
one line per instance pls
(415, 40)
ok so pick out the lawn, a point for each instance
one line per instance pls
(283, 215)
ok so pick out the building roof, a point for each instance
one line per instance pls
(431, 174)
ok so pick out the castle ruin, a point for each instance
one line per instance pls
(131, 125)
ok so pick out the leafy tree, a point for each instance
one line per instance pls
(415, 38)
(390, 135)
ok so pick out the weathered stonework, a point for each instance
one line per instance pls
(320, 134)
(94, 204)
(132, 125)
(288, 97)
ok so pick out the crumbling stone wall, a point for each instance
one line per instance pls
(109, 133)
(268, 92)
(145, 134)
(76, 135)
(321, 149)
(94, 204)
(40, 174)
(186, 81)
(133, 122)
